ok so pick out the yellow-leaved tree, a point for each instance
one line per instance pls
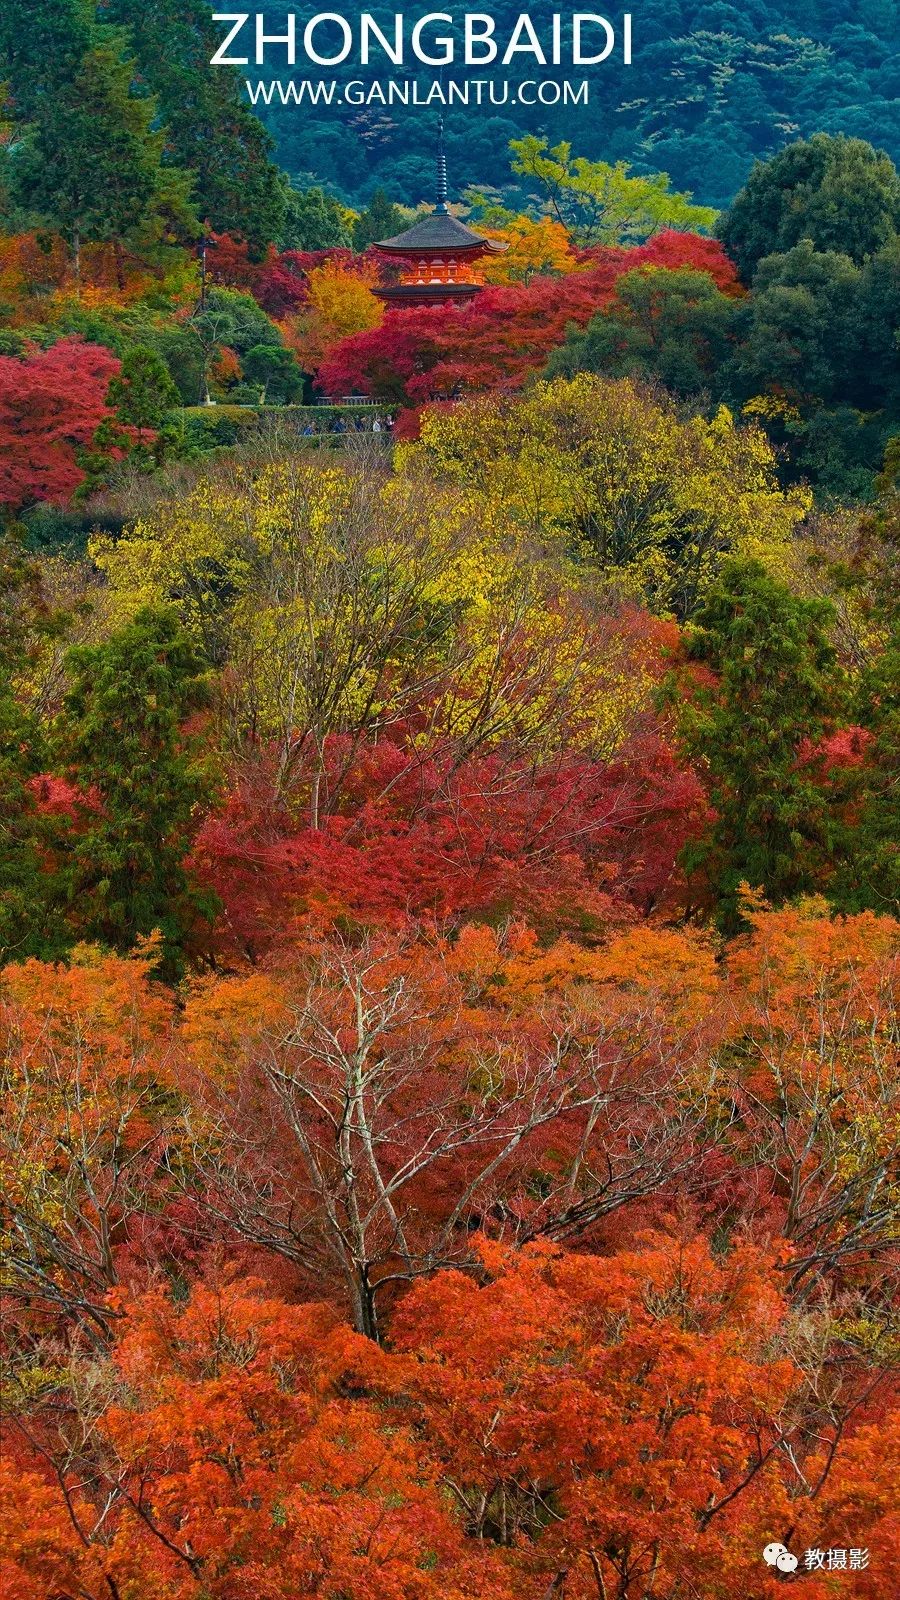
(535, 245)
(609, 469)
(601, 203)
(340, 601)
(340, 302)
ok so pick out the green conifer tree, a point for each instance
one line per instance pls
(210, 130)
(29, 924)
(381, 220)
(121, 739)
(91, 162)
(143, 392)
(778, 691)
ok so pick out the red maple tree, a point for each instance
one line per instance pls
(51, 404)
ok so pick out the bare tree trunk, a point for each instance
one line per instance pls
(364, 1314)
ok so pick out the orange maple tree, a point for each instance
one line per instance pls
(89, 1101)
(568, 1426)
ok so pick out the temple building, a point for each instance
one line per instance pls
(437, 256)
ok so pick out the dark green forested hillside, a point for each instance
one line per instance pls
(711, 88)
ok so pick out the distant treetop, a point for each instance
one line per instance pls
(839, 193)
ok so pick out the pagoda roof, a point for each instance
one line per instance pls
(439, 232)
(427, 294)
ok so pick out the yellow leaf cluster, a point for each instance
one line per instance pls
(335, 600)
(341, 302)
(541, 245)
(612, 471)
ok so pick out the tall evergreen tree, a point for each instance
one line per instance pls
(122, 741)
(210, 131)
(91, 162)
(143, 392)
(380, 220)
(776, 694)
(314, 221)
(42, 44)
(28, 924)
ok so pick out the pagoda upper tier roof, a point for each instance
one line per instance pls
(439, 232)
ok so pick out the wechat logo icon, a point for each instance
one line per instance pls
(779, 1556)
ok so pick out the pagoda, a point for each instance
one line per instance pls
(438, 255)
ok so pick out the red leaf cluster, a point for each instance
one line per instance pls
(51, 405)
(278, 282)
(504, 335)
(576, 843)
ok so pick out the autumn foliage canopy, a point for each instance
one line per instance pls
(51, 404)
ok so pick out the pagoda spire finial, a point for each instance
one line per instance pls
(441, 206)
